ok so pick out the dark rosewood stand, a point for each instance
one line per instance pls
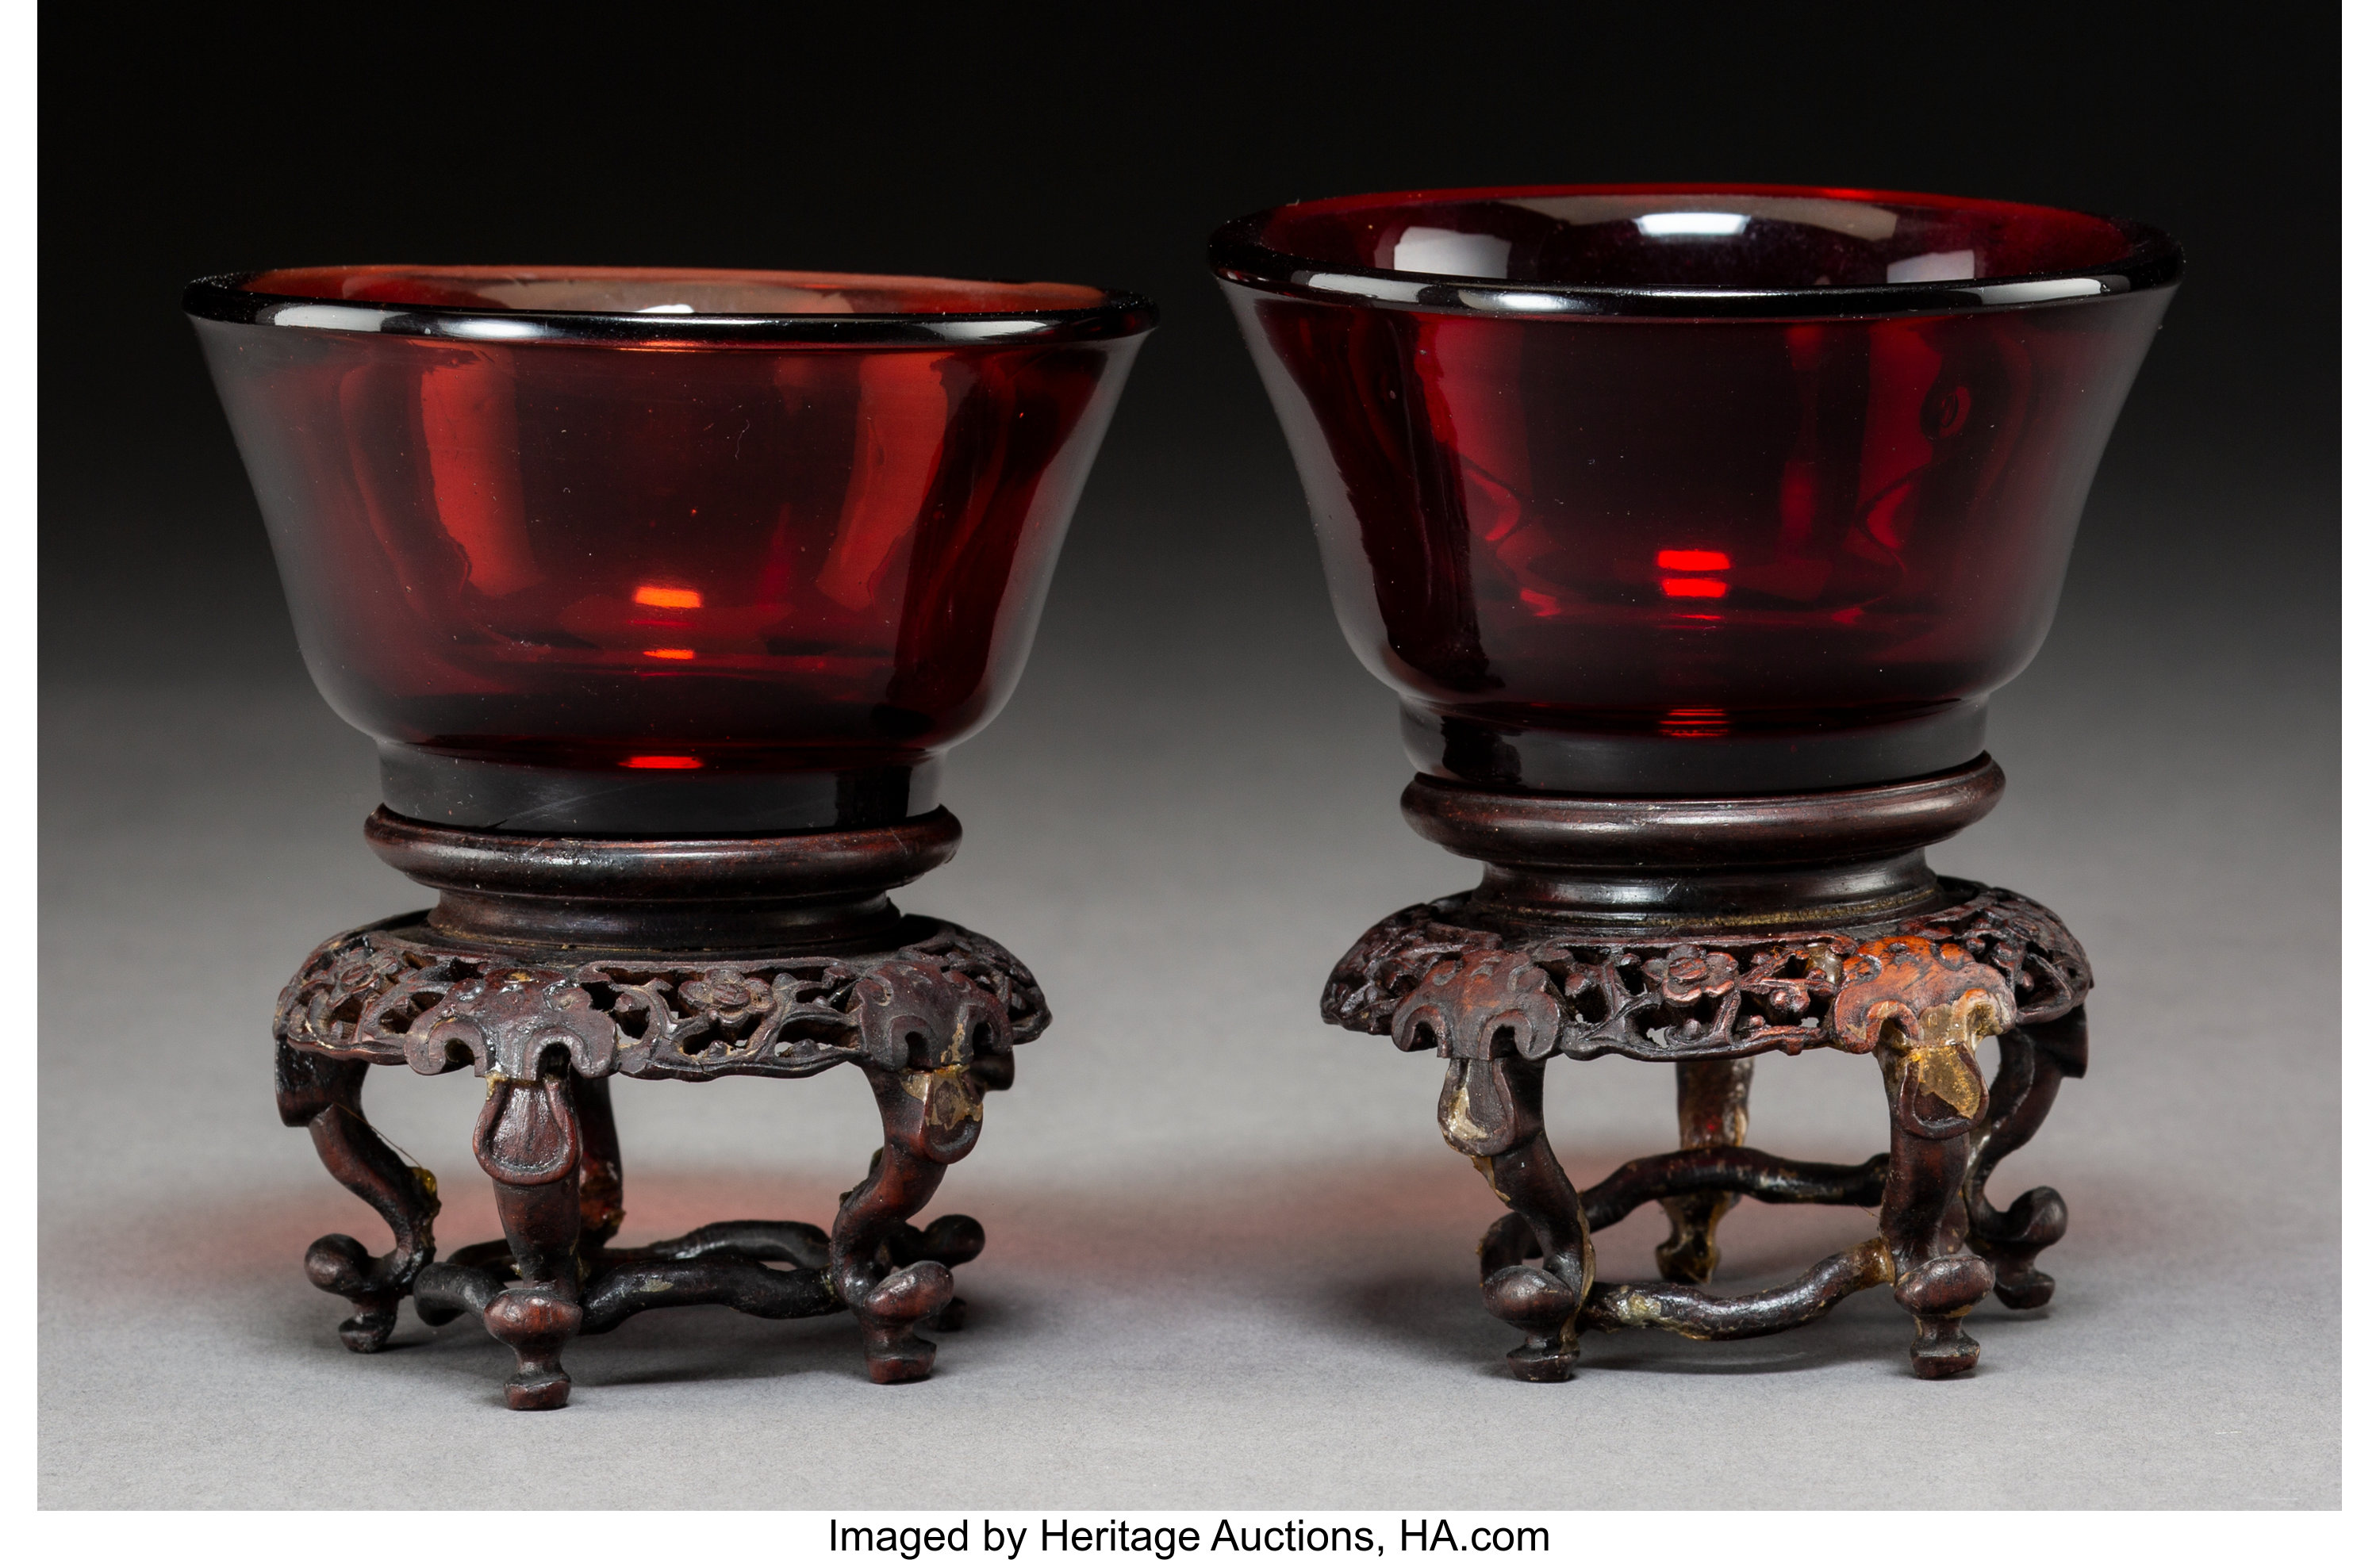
(1703, 931)
(551, 964)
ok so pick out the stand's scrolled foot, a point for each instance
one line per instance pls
(2033, 1222)
(324, 1095)
(949, 1241)
(891, 1314)
(1536, 1300)
(340, 1265)
(1544, 1309)
(1936, 1295)
(536, 1324)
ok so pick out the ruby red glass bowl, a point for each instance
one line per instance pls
(1693, 489)
(597, 551)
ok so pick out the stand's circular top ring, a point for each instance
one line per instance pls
(1515, 827)
(482, 862)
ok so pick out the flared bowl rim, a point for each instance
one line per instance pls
(1238, 255)
(229, 298)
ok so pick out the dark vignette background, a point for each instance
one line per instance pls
(1195, 783)
(1105, 151)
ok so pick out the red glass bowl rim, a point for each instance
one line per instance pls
(2151, 260)
(227, 298)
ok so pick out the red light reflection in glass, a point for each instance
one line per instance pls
(671, 655)
(1671, 588)
(1696, 722)
(672, 596)
(1667, 558)
(661, 761)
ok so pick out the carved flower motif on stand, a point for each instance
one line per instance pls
(364, 966)
(728, 995)
(1690, 974)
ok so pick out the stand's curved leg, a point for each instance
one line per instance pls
(931, 1118)
(2033, 1061)
(1936, 1092)
(1714, 1110)
(530, 1141)
(602, 1204)
(1920, 1007)
(934, 1043)
(324, 1095)
(1492, 1111)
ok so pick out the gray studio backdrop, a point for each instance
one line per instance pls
(1229, 1260)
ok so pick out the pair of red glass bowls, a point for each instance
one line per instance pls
(1625, 490)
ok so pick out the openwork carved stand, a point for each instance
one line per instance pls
(1702, 932)
(546, 970)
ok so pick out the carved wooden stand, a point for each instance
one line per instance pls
(1703, 931)
(547, 968)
